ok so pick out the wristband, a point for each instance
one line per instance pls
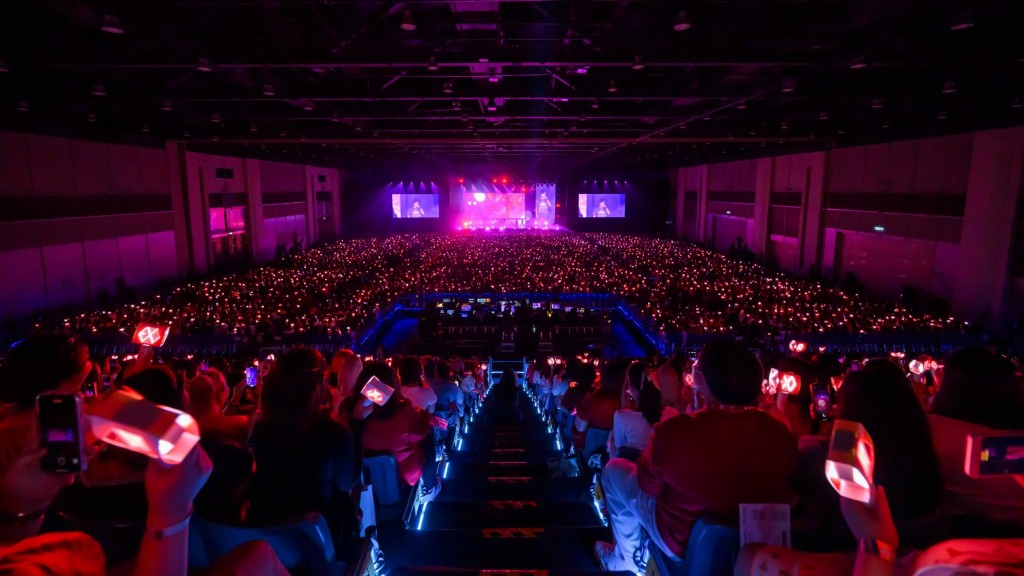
(878, 548)
(172, 530)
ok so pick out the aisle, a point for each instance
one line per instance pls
(499, 512)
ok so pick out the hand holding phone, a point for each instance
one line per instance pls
(822, 402)
(61, 432)
(994, 454)
(250, 376)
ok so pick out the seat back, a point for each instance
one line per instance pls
(382, 472)
(597, 440)
(303, 542)
(711, 551)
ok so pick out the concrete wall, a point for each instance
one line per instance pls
(81, 219)
(935, 214)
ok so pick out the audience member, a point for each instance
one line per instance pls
(305, 460)
(700, 464)
(981, 393)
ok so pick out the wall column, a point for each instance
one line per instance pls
(762, 204)
(178, 185)
(702, 203)
(812, 213)
(680, 184)
(986, 242)
(262, 245)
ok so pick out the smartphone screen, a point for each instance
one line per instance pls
(822, 402)
(60, 430)
(994, 454)
(250, 376)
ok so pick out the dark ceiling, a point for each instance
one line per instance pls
(515, 81)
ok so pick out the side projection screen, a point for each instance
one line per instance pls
(414, 206)
(602, 206)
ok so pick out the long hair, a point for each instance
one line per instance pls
(879, 397)
(981, 387)
(292, 390)
(649, 401)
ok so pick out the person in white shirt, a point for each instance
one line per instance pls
(633, 424)
(414, 386)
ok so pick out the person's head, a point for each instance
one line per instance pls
(981, 387)
(728, 373)
(602, 203)
(202, 395)
(41, 364)
(585, 375)
(613, 376)
(879, 397)
(508, 378)
(220, 385)
(347, 365)
(648, 399)
(293, 390)
(415, 203)
(158, 385)
(410, 371)
(442, 369)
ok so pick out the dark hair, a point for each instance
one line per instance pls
(443, 371)
(157, 384)
(507, 388)
(410, 370)
(636, 373)
(981, 387)
(613, 376)
(37, 364)
(649, 400)
(879, 397)
(732, 373)
(289, 390)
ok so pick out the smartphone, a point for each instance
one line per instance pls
(377, 392)
(106, 384)
(204, 365)
(89, 388)
(61, 427)
(994, 454)
(851, 461)
(822, 402)
(250, 376)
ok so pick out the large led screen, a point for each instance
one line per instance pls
(602, 206)
(481, 205)
(414, 206)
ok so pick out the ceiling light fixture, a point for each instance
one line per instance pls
(99, 90)
(741, 106)
(682, 22)
(638, 63)
(432, 65)
(23, 106)
(166, 106)
(448, 89)
(942, 115)
(612, 87)
(788, 86)
(823, 115)
(3, 66)
(90, 117)
(215, 118)
(111, 25)
(949, 87)
(145, 127)
(408, 24)
(203, 65)
(252, 128)
(1016, 103)
(594, 105)
(268, 90)
(876, 103)
(858, 64)
(784, 125)
(492, 106)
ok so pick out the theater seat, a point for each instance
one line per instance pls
(711, 551)
(302, 544)
(382, 473)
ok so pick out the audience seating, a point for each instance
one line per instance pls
(382, 472)
(711, 551)
(302, 544)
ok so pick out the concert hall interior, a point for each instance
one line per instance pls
(512, 287)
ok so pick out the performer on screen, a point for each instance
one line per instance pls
(543, 206)
(415, 211)
(602, 210)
